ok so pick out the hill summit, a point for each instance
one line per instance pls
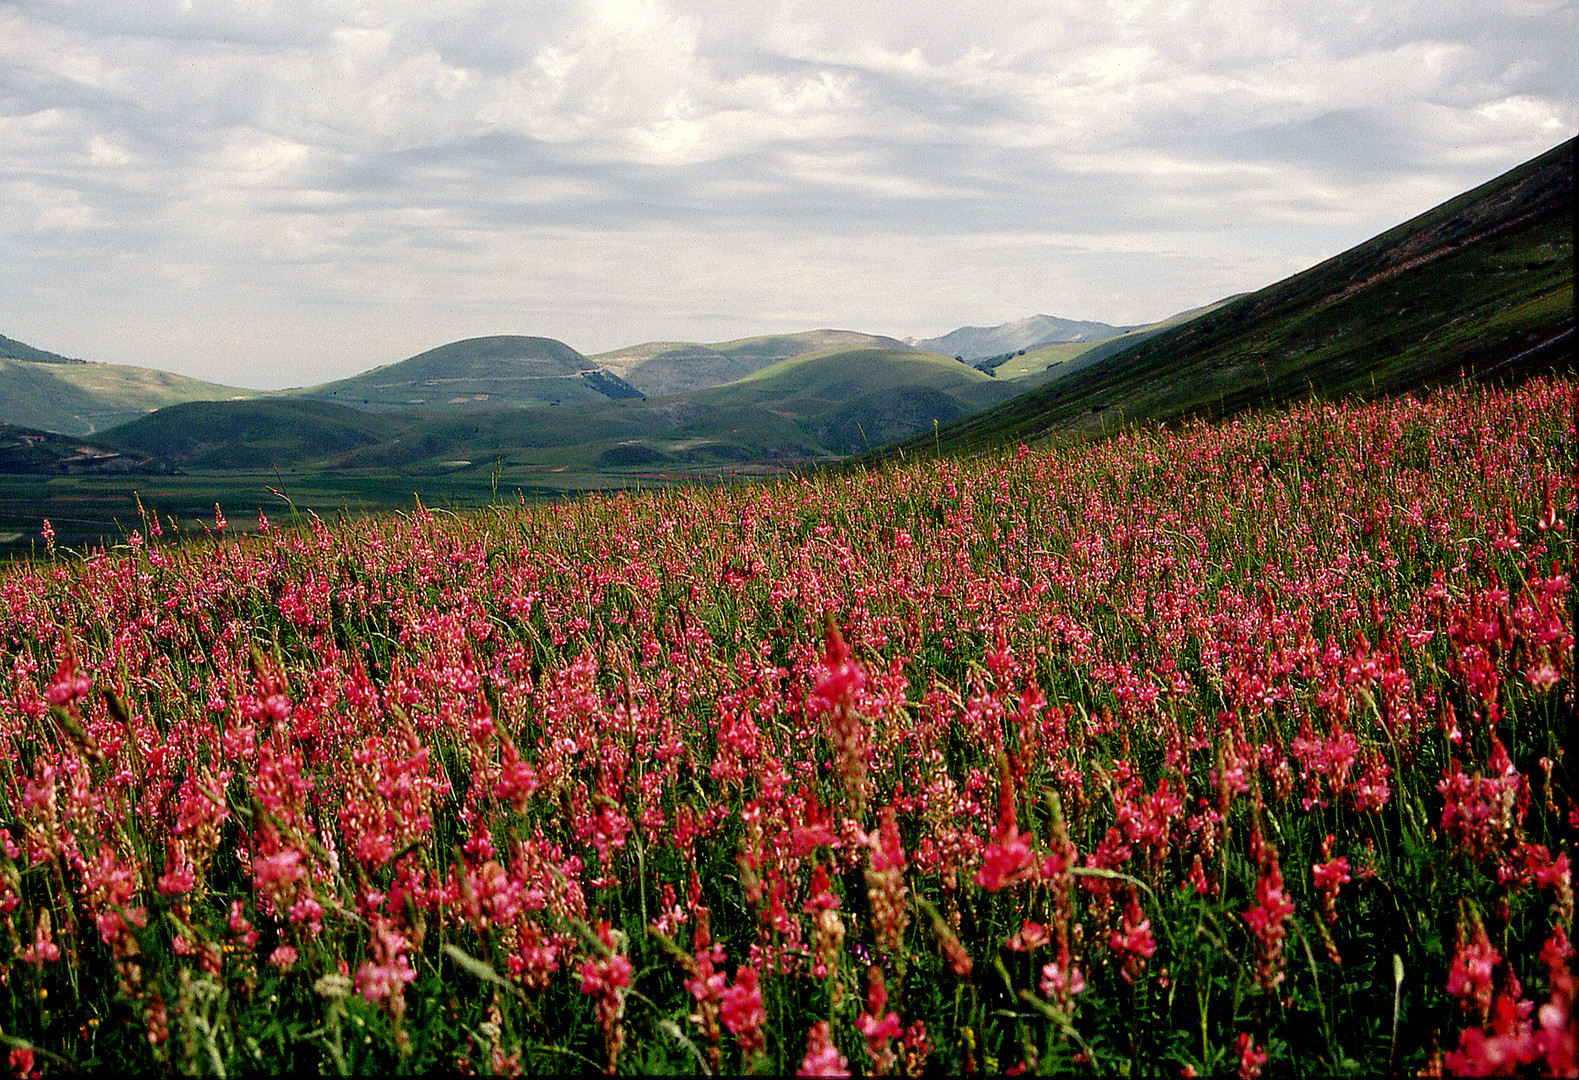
(972, 343)
(483, 372)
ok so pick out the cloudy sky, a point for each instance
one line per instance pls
(280, 192)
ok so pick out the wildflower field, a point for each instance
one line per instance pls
(1192, 752)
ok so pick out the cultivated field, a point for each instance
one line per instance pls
(1234, 747)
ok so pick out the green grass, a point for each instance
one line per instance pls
(15, 350)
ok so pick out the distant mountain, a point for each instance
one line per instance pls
(480, 373)
(807, 396)
(810, 407)
(1044, 363)
(849, 400)
(972, 343)
(49, 392)
(1482, 286)
(665, 368)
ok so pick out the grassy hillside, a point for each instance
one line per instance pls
(806, 408)
(664, 368)
(478, 373)
(1039, 365)
(809, 407)
(1481, 286)
(261, 434)
(30, 452)
(851, 399)
(74, 397)
(15, 350)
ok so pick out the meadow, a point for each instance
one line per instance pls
(1189, 752)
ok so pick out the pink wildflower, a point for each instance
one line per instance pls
(878, 1026)
(1032, 935)
(1267, 920)
(1470, 978)
(742, 1010)
(43, 950)
(1061, 982)
(822, 1057)
(1134, 944)
(606, 978)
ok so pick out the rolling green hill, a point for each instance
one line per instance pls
(1481, 286)
(848, 400)
(261, 434)
(812, 406)
(479, 373)
(807, 408)
(1033, 367)
(665, 368)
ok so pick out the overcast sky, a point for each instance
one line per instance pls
(281, 192)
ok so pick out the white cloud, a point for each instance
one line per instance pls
(352, 181)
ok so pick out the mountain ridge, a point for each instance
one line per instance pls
(667, 368)
(972, 343)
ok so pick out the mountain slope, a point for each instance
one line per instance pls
(811, 407)
(485, 372)
(75, 397)
(849, 400)
(1482, 284)
(665, 368)
(979, 342)
(15, 350)
(30, 452)
(261, 434)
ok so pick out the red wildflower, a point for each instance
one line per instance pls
(1474, 960)
(605, 978)
(1251, 1057)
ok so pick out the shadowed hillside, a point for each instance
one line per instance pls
(29, 452)
(15, 350)
(807, 408)
(261, 434)
(851, 399)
